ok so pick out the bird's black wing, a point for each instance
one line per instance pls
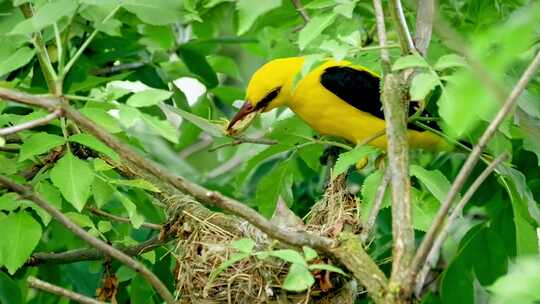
(360, 89)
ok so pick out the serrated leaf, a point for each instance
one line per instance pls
(39, 143)
(137, 183)
(104, 226)
(314, 28)
(434, 181)
(20, 235)
(73, 178)
(244, 245)
(102, 118)
(424, 210)
(249, 10)
(94, 144)
(449, 61)
(16, 60)
(135, 218)
(347, 159)
(422, 84)
(409, 61)
(299, 278)
(102, 192)
(148, 97)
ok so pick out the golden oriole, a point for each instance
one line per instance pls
(336, 98)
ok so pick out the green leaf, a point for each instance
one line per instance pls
(20, 235)
(244, 245)
(16, 60)
(94, 144)
(434, 181)
(422, 84)
(39, 143)
(457, 284)
(309, 253)
(314, 28)
(137, 183)
(104, 226)
(9, 290)
(449, 61)
(409, 61)
(197, 64)
(271, 186)
(102, 118)
(337, 50)
(424, 209)
(249, 11)
(347, 159)
(102, 192)
(345, 8)
(136, 219)
(161, 127)
(204, 124)
(225, 65)
(45, 16)
(520, 285)
(155, 12)
(148, 97)
(82, 220)
(369, 191)
(287, 255)
(298, 279)
(73, 177)
(327, 267)
(493, 262)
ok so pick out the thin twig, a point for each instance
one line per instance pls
(31, 124)
(42, 54)
(91, 254)
(121, 219)
(137, 266)
(59, 291)
(301, 10)
(9, 149)
(119, 68)
(427, 243)
(424, 24)
(445, 229)
(379, 198)
(195, 148)
(242, 140)
(405, 39)
(381, 33)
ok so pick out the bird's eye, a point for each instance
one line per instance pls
(268, 98)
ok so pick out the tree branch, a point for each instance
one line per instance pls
(119, 68)
(301, 10)
(405, 39)
(90, 254)
(467, 168)
(121, 219)
(31, 124)
(379, 197)
(424, 24)
(445, 229)
(381, 33)
(241, 140)
(394, 99)
(59, 291)
(29, 194)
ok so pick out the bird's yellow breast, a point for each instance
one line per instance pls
(330, 115)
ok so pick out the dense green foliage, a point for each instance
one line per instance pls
(126, 81)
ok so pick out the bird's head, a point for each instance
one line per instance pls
(269, 87)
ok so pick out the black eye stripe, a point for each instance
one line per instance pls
(268, 98)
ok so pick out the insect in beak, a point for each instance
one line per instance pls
(243, 118)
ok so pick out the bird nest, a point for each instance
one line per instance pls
(203, 249)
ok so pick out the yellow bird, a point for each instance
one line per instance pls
(337, 98)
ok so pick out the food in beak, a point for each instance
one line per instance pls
(242, 119)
